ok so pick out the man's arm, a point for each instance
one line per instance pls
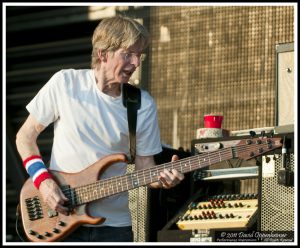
(27, 136)
(26, 142)
(166, 179)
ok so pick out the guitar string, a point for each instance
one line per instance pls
(110, 180)
(92, 186)
(211, 158)
(181, 161)
(105, 182)
(82, 191)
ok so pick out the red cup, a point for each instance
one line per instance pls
(213, 121)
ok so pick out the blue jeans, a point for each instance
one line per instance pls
(101, 234)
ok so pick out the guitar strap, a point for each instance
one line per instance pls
(132, 101)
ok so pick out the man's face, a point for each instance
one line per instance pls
(122, 63)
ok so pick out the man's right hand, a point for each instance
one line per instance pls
(53, 196)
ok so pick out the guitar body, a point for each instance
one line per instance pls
(42, 224)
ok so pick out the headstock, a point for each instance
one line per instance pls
(254, 147)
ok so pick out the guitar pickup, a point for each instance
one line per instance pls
(32, 218)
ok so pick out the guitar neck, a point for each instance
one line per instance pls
(107, 187)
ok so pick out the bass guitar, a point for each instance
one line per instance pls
(43, 224)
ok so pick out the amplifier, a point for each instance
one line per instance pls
(277, 201)
(202, 216)
(221, 212)
(285, 84)
(277, 195)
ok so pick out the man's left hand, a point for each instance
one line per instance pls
(170, 178)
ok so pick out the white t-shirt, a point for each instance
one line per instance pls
(90, 125)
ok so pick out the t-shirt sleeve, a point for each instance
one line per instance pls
(148, 135)
(44, 106)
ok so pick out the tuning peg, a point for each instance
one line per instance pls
(252, 134)
(257, 161)
(272, 134)
(263, 133)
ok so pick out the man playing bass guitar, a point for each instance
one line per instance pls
(90, 123)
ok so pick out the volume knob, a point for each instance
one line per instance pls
(39, 236)
(61, 223)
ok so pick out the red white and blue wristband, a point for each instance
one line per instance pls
(37, 170)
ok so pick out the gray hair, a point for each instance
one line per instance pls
(118, 32)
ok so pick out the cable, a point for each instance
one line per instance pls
(285, 175)
(283, 151)
(17, 221)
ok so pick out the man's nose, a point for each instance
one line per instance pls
(135, 60)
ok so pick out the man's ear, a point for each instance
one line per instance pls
(102, 56)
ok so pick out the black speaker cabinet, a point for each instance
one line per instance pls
(284, 84)
(277, 200)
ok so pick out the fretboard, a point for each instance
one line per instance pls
(114, 185)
